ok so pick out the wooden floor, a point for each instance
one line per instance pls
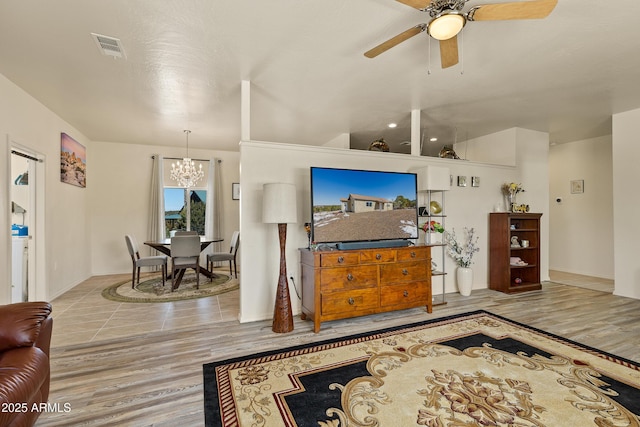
(155, 378)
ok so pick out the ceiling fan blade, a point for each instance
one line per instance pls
(449, 52)
(394, 41)
(536, 9)
(418, 4)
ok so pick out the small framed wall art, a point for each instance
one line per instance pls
(462, 181)
(73, 161)
(577, 186)
(475, 181)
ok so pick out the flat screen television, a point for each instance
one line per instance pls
(351, 205)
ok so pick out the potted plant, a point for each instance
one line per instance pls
(433, 231)
(462, 254)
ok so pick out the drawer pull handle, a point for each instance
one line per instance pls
(405, 293)
(413, 254)
(350, 277)
(351, 301)
(340, 260)
(378, 257)
(405, 271)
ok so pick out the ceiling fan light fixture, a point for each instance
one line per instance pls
(446, 25)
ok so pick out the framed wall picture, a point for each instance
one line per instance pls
(475, 181)
(462, 181)
(235, 191)
(73, 161)
(577, 186)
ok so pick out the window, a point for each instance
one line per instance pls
(184, 209)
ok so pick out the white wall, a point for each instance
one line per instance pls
(496, 149)
(29, 123)
(120, 196)
(581, 233)
(626, 209)
(532, 158)
(263, 162)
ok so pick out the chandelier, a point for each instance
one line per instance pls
(185, 172)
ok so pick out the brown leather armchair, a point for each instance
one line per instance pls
(25, 338)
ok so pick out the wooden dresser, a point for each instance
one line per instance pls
(348, 283)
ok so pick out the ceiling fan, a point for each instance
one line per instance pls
(447, 20)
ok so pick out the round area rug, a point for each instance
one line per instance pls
(151, 290)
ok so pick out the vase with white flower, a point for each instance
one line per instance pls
(510, 190)
(462, 253)
(432, 232)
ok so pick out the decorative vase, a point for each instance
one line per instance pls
(464, 277)
(432, 238)
(512, 201)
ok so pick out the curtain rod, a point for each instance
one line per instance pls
(180, 158)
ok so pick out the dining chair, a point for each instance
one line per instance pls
(186, 233)
(138, 261)
(185, 253)
(226, 256)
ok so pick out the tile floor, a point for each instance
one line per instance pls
(82, 315)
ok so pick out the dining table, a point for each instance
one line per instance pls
(164, 246)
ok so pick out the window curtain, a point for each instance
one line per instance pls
(156, 208)
(214, 225)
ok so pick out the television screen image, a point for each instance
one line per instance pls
(356, 205)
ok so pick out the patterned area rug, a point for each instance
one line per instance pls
(151, 289)
(467, 370)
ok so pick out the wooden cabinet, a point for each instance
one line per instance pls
(506, 274)
(348, 283)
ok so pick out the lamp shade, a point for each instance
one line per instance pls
(279, 203)
(434, 178)
(446, 26)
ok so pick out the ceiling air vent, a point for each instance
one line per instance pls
(109, 46)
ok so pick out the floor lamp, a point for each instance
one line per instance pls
(279, 207)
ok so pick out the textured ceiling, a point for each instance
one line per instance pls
(566, 74)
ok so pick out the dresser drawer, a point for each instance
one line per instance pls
(337, 279)
(339, 259)
(404, 272)
(411, 254)
(349, 301)
(378, 255)
(406, 295)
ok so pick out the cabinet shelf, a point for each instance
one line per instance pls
(523, 266)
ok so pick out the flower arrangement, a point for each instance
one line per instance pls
(512, 188)
(462, 253)
(432, 226)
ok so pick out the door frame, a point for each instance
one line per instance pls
(37, 283)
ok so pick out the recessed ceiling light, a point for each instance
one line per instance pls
(392, 125)
(434, 139)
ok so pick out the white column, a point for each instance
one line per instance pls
(245, 111)
(415, 132)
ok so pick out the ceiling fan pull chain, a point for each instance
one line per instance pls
(462, 52)
(429, 69)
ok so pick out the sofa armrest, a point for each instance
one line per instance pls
(21, 324)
